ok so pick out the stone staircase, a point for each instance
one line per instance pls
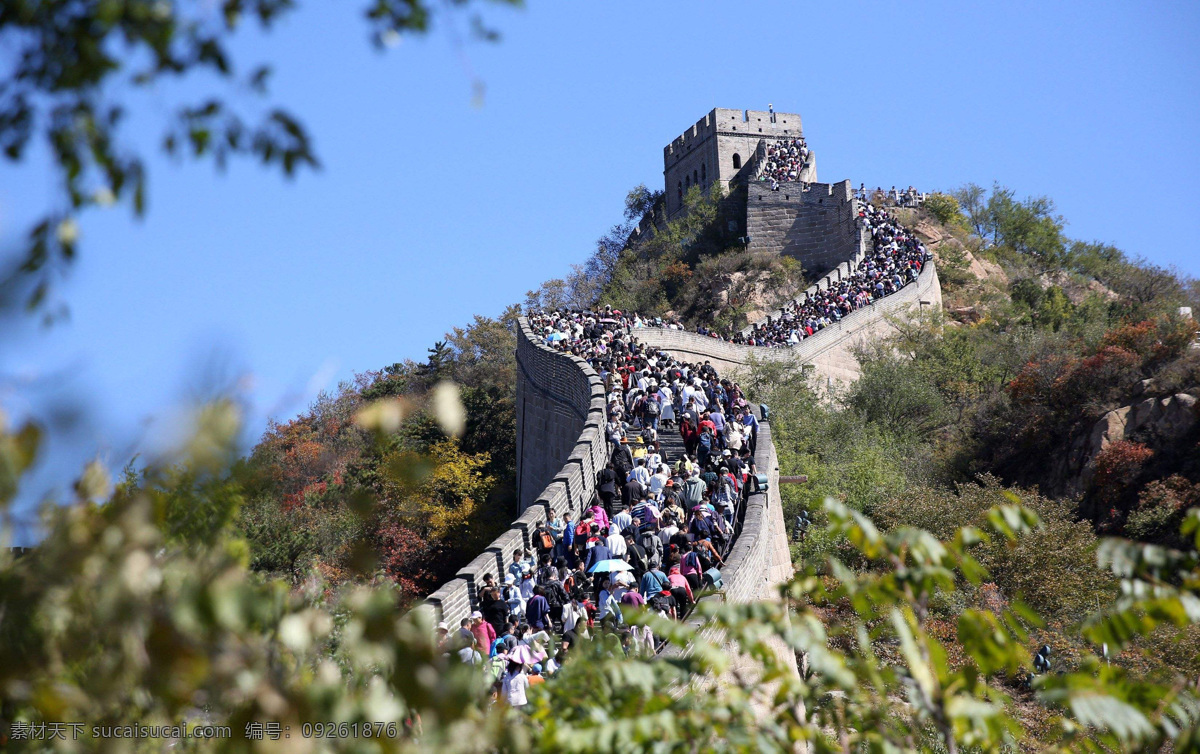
(671, 447)
(671, 444)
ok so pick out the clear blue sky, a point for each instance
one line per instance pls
(430, 209)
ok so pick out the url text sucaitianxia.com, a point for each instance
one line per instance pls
(22, 731)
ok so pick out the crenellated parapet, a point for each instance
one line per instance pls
(722, 146)
(560, 449)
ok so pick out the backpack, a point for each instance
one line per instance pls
(706, 441)
(652, 408)
(726, 496)
(637, 559)
(555, 594)
(653, 547)
(547, 541)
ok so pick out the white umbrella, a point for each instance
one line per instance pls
(610, 565)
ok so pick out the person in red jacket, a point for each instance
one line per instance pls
(484, 633)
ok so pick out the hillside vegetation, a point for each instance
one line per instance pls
(322, 493)
(690, 269)
(1003, 397)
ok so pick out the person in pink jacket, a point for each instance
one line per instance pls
(599, 515)
(677, 579)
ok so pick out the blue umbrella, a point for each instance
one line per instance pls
(610, 565)
(555, 336)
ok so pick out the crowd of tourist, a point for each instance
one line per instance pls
(656, 533)
(896, 261)
(784, 160)
(665, 509)
(909, 197)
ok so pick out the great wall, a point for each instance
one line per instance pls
(560, 405)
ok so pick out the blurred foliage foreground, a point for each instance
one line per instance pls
(140, 612)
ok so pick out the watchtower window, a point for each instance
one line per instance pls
(696, 177)
(681, 192)
(703, 174)
(737, 162)
(687, 181)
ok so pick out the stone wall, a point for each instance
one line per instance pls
(760, 560)
(815, 223)
(560, 449)
(829, 353)
(559, 397)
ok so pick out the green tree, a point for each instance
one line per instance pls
(1054, 309)
(894, 395)
(971, 199)
(945, 208)
(1028, 227)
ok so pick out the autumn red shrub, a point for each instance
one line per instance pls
(1175, 493)
(1160, 510)
(1092, 380)
(677, 272)
(1117, 467)
(1034, 382)
(1120, 462)
(1152, 339)
(407, 557)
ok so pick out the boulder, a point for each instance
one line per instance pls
(1178, 415)
(932, 233)
(1144, 412)
(965, 314)
(1167, 418)
(1112, 427)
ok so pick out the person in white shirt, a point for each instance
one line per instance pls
(516, 683)
(574, 617)
(666, 532)
(666, 400)
(659, 480)
(653, 457)
(616, 544)
(641, 473)
(620, 522)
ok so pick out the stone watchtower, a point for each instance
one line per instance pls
(723, 146)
